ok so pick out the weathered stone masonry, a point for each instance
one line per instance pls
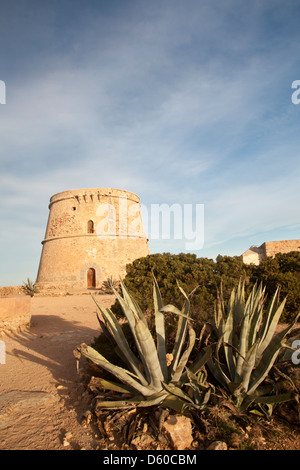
(256, 254)
(74, 256)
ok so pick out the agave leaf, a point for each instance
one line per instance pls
(256, 412)
(178, 392)
(153, 401)
(185, 356)
(158, 302)
(131, 302)
(248, 365)
(132, 316)
(206, 397)
(201, 359)
(280, 398)
(115, 387)
(272, 324)
(135, 402)
(197, 385)
(115, 404)
(270, 400)
(239, 304)
(268, 357)
(231, 301)
(228, 338)
(180, 334)
(121, 341)
(269, 314)
(219, 321)
(193, 383)
(243, 346)
(174, 403)
(150, 355)
(257, 315)
(216, 368)
(105, 330)
(172, 309)
(121, 374)
(160, 329)
(187, 297)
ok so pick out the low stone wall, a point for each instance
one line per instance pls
(256, 254)
(283, 246)
(11, 290)
(15, 314)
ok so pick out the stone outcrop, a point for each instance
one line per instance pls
(179, 430)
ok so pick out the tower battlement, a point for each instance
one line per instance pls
(93, 195)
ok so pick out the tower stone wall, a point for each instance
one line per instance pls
(91, 235)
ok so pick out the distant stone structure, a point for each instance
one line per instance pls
(256, 254)
(91, 235)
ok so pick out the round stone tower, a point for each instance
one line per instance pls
(91, 235)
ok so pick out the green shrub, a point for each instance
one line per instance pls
(190, 272)
(282, 271)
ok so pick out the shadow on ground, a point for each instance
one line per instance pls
(49, 344)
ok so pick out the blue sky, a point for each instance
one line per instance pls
(183, 102)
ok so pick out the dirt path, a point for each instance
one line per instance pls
(42, 399)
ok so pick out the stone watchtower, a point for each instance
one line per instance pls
(91, 235)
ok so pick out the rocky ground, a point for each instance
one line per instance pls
(46, 405)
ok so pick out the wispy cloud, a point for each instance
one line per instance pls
(178, 102)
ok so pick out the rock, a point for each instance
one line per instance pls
(16, 400)
(217, 445)
(86, 417)
(179, 430)
(235, 439)
(142, 441)
(67, 436)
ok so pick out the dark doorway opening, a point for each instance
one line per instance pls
(91, 278)
(90, 227)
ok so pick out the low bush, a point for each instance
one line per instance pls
(283, 271)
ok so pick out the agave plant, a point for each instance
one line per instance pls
(247, 345)
(29, 288)
(150, 378)
(107, 285)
